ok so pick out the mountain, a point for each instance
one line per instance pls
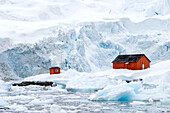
(34, 10)
(81, 35)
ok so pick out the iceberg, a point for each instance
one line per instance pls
(165, 101)
(4, 86)
(57, 109)
(3, 103)
(41, 102)
(115, 93)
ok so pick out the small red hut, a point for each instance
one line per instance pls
(54, 70)
(132, 62)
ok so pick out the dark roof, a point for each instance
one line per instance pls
(128, 58)
(54, 67)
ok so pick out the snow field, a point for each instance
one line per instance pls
(109, 84)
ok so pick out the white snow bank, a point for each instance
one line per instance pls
(154, 73)
(61, 78)
(158, 79)
(74, 80)
(86, 83)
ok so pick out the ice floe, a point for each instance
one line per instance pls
(57, 109)
(3, 103)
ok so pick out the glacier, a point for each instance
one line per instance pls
(87, 47)
(85, 38)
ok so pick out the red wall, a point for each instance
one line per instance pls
(119, 66)
(144, 61)
(55, 71)
(133, 65)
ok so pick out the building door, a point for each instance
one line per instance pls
(143, 66)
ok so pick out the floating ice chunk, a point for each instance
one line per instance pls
(41, 102)
(58, 88)
(118, 93)
(56, 109)
(151, 94)
(136, 86)
(136, 103)
(17, 88)
(121, 92)
(88, 84)
(165, 101)
(4, 86)
(18, 107)
(3, 103)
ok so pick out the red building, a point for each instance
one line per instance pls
(54, 70)
(132, 62)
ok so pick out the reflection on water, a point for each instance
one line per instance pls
(40, 99)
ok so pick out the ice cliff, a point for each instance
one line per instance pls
(87, 46)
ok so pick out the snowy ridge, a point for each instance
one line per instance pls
(81, 10)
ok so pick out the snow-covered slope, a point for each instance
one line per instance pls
(112, 86)
(34, 10)
(17, 17)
